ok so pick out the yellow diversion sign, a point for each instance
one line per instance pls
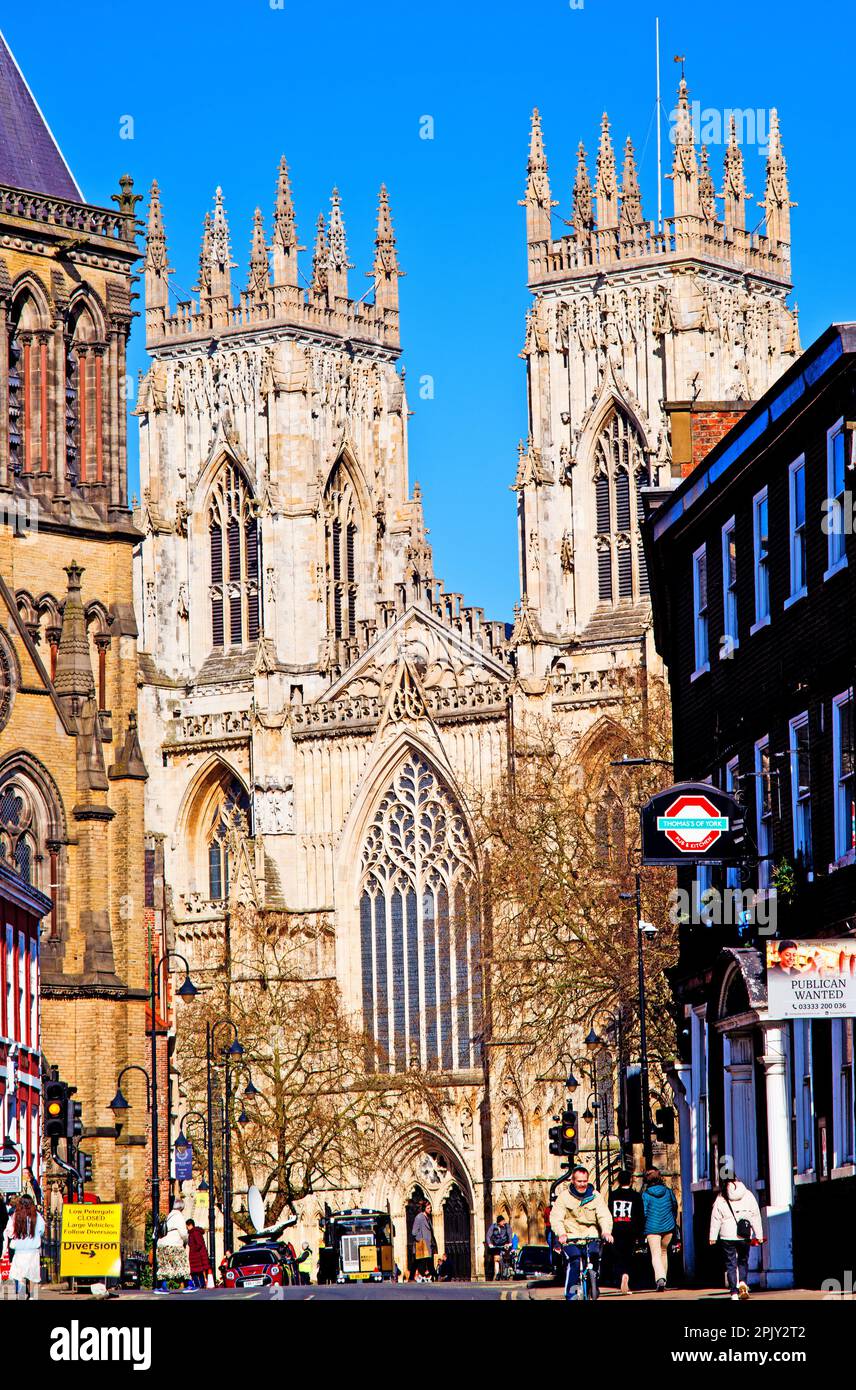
(90, 1244)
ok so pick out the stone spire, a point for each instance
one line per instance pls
(606, 183)
(157, 261)
(385, 271)
(204, 286)
(337, 258)
(259, 279)
(583, 216)
(777, 204)
(320, 257)
(734, 189)
(284, 241)
(631, 198)
(706, 190)
(684, 173)
(74, 680)
(537, 201)
(221, 254)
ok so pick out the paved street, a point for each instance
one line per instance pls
(456, 1293)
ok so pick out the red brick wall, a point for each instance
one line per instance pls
(707, 428)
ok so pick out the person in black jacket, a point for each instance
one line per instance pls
(628, 1223)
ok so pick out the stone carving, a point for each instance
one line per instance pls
(273, 809)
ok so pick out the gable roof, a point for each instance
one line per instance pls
(30, 157)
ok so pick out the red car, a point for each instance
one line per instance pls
(257, 1266)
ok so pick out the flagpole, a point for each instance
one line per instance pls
(659, 135)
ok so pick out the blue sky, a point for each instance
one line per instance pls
(218, 89)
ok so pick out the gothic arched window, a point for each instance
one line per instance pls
(233, 531)
(27, 365)
(231, 815)
(609, 829)
(84, 445)
(342, 533)
(420, 927)
(620, 473)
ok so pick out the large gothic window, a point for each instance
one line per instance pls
(233, 531)
(341, 517)
(27, 404)
(19, 830)
(620, 473)
(420, 929)
(230, 818)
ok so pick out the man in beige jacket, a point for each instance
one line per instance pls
(578, 1214)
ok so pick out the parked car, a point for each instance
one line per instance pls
(256, 1266)
(533, 1262)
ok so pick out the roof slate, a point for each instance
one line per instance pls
(30, 158)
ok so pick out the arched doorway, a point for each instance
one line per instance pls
(456, 1233)
(417, 1196)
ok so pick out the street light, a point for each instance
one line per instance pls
(571, 1084)
(643, 929)
(119, 1103)
(234, 1050)
(186, 992)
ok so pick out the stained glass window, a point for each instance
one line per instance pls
(419, 926)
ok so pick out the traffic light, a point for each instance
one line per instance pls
(84, 1165)
(664, 1125)
(555, 1133)
(569, 1132)
(57, 1110)
(75, 1115)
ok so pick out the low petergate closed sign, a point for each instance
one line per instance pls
(91, 1241)
(692, 822)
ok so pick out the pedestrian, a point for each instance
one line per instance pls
(32, 1187)
(497, 1240)
(303, 1264)
(197, 1256)
(4, 1218)
(23, 1239)
(424, 1244)
(224, 1265)
(172, 1249)
(661, 1219)
(628, 1223)
(735, 1222)
(579, 1215)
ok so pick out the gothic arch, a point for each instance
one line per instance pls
(85, 316)
(220, 458)
(346, 513)
(197, 822)
(346, 458)
(603, 741)
(21, 763)
(233, 554)
(28, 288)
(396, 1174)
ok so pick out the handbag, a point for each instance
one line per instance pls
(421, 1250)
(743, 1224)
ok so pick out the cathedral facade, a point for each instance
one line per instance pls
(306, 677)
(71, 771)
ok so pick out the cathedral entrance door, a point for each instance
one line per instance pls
(456, 1232)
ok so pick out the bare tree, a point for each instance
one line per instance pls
(326, 1096)
(560, 839)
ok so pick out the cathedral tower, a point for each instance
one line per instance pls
(643, 345)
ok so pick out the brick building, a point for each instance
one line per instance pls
(754, 597)
(22, 907)
(71, 773)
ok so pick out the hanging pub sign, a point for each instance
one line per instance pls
(811, 979)
(692, 823)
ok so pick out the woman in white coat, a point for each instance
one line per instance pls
(736, 1223)
(23, 1241)
(173, 1262)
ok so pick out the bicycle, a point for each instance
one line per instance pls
(587, 1285)
(505, 1263)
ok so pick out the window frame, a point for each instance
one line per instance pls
(842, 854)
(800, 806)
(797, 535)
(730, 619)
(761, 561)
(701, 616)
(834, 560)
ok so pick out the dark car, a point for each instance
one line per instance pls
(533, 1262)
(257, 1266)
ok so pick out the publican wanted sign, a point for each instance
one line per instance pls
(811, 979)
(90, 1245)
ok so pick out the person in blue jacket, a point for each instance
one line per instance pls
(661, 1219)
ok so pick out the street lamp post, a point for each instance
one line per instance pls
(187, 991)
(236, 1050)
(642, 928)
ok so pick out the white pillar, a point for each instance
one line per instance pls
(778, 1253)
(681, 1081)
(741, 1105)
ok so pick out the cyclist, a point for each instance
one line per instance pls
(579, 1214)
(498, 1241)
